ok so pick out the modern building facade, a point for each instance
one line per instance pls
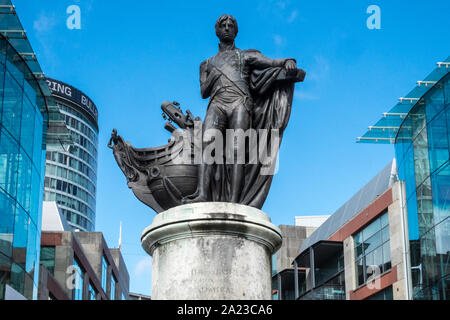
(78, 265)
(71, 176)
(360, 251)
(28, 123)
(419, 126)
(391, 240)
(282, 269)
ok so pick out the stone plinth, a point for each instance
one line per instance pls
(211, 250)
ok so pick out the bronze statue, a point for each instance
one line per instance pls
(248, 93)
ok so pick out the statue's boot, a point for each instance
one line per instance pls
(200, 195)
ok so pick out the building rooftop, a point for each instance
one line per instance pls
(367, 194)
(310, 221)
(11, 29)
(52, 219)
(386, 129)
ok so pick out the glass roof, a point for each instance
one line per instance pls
(386, 129)
(11, 28)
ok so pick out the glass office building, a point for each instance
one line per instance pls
(419, 126)
(26, 121)
(71, 175)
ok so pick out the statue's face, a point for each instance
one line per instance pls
(226, 31)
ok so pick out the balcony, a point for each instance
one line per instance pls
(325, 292)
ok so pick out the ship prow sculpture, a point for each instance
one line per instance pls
(248, 93)
(155, 175)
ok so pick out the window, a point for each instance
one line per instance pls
(274, 264)
(7, 209)
(12, 106)
(113, 288)
(27, 127)
(24, 181)
(385, 294)
(329, 267)
(78, 289)
(92, 292)
(104, 273)
(48, 258)
(372, 250)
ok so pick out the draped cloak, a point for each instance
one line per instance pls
(272, 93)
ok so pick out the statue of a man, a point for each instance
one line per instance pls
(225, 78)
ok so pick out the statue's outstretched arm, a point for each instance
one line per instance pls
(258, 61)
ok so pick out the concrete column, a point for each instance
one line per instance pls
(43, 292)
(296, 291)
(108, 282)
(86, 286)
(211, 250)
(312, 267)
(399, 243)
(63, 260)
(349, 266)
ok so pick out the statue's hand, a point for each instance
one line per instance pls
(290, 66)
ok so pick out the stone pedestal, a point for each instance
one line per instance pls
(211, 250)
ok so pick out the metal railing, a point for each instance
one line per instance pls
(325, 292)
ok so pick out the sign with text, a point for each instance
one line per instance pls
(70, 93)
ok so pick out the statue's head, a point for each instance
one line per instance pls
(226, 28)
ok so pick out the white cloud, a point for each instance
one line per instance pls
(144, 265)
(279, 40)
(282, 4)
(320, 69)
(301, 95)
(293, 16)
(44, 23)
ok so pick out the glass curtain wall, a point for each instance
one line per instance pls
(422, 151)
(21, 173)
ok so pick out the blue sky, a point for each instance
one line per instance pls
(130, 56)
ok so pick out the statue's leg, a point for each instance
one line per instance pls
(205, 169)
(240, 119)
